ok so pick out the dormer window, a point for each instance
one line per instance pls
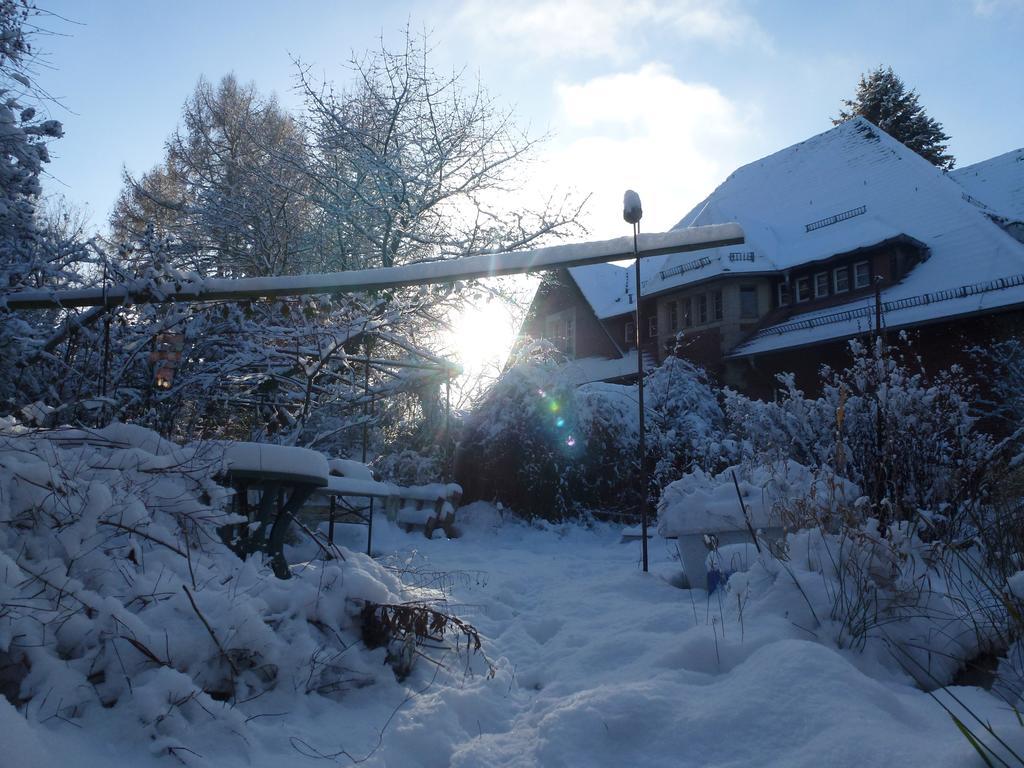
(803, 289)
(821, 285)
(840, 280)
(862, 274)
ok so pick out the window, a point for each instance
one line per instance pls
(718, 305)
(803, 289)
(840, 280)
(687, 312)
(630, 334)
(702, 308)
(673, 316)
(652, 327)
(560, 330)
(862, 274)
(748, 301)
(821, 285)
(784, 299)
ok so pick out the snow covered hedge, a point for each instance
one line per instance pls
(522, 444)
(116, 592)
(547, 448)
(908, 440)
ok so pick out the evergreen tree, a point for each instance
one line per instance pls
(883, 98)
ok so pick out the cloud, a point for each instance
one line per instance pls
(670, 140)
(603, 29)
(990, 7)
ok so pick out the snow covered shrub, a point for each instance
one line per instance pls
(116, 592)
(408, 467)
(684, 431)
(589, 442)
(521, 444)
(908, 440)
(906, 603)
(608, 424)
(1004, 399)
(685, 422)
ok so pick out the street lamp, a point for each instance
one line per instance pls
(632, 212)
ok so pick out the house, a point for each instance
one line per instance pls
(843, 231)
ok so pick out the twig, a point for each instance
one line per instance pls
(743, 509)
(137, 532)
(209, 629)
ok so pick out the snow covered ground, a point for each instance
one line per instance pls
(596, 664)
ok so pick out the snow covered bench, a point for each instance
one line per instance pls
(426, 506)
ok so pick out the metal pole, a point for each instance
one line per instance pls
(367, 412)
(448, 429)
(330, 526)
(642, 451)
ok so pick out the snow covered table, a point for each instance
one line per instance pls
(283, 478)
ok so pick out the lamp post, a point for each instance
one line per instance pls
(632, 212)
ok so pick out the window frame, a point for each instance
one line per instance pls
(782, 290)
(718, 305)
(630, 334)
(836, 272)
(856, 282)
(652, 325)
(806, 283)
(819, 283)
(673, 316)
(560, 330)
(702, 308)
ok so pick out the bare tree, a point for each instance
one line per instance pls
(408, 164)
(230, 190)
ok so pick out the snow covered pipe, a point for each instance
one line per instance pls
(358, 281)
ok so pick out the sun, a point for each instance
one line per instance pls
(482, 336)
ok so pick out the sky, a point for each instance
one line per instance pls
(664, 97)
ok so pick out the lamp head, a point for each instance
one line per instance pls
(631, 210)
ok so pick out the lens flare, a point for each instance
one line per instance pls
(559, 422)
(570, 441)
(553, 406)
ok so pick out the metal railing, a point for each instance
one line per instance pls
(933, 297)
(703, 261)
(835, 219)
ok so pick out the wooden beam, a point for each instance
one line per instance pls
(365, 280)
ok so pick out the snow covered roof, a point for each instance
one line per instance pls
(996, 185)
(609, 288)
(847, 188)
(590, 369)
